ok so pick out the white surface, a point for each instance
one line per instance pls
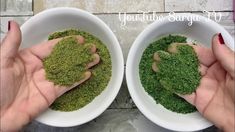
(58, 19)
(202, 31)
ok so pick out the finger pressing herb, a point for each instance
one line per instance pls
(83, 94)
(178, 71)
(151, 82)
(67, 62)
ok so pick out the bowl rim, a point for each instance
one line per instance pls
(130, 80)
(118, 78)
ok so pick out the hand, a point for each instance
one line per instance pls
(25, 92)
(215, 96)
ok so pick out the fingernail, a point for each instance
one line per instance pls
(9, 25)
(221, 40)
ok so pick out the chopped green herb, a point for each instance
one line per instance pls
(151, 81)
(83, 94)
(178, 72)
(63, 34)
(67, 61)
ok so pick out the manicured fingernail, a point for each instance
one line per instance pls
(221, 40)
(9, 25)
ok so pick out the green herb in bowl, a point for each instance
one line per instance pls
(67, 63)
(178, 68)
(83, 94)
(151, 80)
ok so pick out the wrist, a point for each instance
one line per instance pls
(12, 121)
(228, 125)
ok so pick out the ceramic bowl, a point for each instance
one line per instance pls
(37, 29)
(201, 31)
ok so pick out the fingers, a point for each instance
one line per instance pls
(96, 57)
(203, 69)
(223, 54)
(217, 72)
(95, 61)
(11, 42)
(205, 55)
(203, 94)
(44, 49)
(189, 98)
(57, 35)
(93, 48)
(87, 75)
(154, 67)
(156, 57)
(173, 47)
(80, 39)
(163, 54)
(48, 46)
(63, 90)
(50, 91)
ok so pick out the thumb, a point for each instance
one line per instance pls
(223, 54)
(12, 40)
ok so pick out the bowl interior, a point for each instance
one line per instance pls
(201, 31)
(37, 29)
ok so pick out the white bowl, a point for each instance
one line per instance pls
(37, 29)
(201, 31)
